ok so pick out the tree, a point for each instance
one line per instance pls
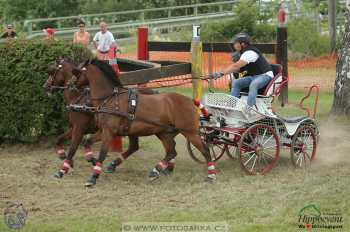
(17, 10)
(341, 103)
(332, 15)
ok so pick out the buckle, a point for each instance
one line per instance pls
(131, 116)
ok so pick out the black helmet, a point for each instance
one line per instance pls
(241, 38)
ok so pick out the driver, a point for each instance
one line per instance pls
(257, 71)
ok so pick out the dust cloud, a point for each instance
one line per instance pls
(334, 145)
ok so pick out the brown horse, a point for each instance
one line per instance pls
(164, 115)
(80, 123)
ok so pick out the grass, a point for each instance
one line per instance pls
(246, 203)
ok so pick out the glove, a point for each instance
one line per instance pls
(235, 56)
(119, 51)
(217, 75)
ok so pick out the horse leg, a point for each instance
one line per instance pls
(133, 147)
(166, 165)
(77, 135)
(59, 145)
(97, 170)
(196, 140)
(87, 143)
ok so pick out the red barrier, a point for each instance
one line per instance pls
(142, 43)
(116, 144)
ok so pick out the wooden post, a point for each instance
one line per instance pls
(142, 43)
(197, 59)
(282, 51)
(210, 67)
(282, 58)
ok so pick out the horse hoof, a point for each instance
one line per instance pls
(167, 172)
(59, 175)
(210, 180)
(153, 178)
(89, 185)
(153, 175)
(91, 181)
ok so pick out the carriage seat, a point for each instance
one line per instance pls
(296, 119)
(274, 87)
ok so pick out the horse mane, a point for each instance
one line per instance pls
(108, 71)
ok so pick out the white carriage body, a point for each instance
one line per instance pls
(232, 110)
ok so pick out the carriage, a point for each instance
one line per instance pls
(257, 137)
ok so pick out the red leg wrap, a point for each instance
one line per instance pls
(98, 168)
(67, 164)
(60, 149)
(162, 165)
(89, 154)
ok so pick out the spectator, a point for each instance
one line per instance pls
(50, 33)
(82, 36)
(103, 42)
(10, 33)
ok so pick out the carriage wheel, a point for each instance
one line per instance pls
(216, 149)
(258, 149)
(231, 152)
(303, 147)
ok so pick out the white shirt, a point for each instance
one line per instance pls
(250, 57)
(104, 41)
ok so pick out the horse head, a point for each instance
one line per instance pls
(60, 74)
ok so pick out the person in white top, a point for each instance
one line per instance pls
(104, 41)
(252, 65)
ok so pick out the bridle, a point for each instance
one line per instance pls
(70, 86)
(71, 83)
(53, 77)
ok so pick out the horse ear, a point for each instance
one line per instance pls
(51, 69)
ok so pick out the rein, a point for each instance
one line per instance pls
(104, 110)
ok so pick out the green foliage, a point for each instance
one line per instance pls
(26, 9)
(245, 19)
(264, 33)
(304, 38)
(26, 112)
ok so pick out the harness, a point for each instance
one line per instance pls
(129, 115)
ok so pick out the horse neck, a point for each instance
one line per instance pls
(100, 87)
